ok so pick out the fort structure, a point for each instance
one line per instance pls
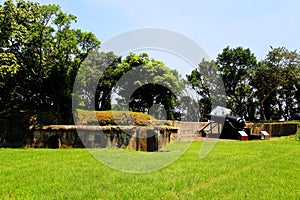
(140, 138)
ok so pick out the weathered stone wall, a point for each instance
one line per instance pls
(188, 130)
(135, 138)
(49, 139)
(141, 138)
(274, 129)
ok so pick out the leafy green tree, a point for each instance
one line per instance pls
(96, 78)
(296, 112)
(205, 83)
(107, 82)
(139, 82)
(276, 81)
(40, 56)
(148, 82)
(286, 98)
(156, 97)
(235, 67)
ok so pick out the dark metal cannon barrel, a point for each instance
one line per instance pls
(231, 125)
(237, 122)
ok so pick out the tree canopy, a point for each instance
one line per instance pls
(138, 81)
(235, 67)
(207, 83)
(265, 90)
(153, 84)
(41, 56)
(276, 84)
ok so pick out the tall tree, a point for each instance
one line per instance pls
(276, 80)
(44, 53)
(235, 67)
(96, 78)
(205, 83)
(149, 82)
(139, 82)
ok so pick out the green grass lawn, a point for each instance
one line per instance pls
(232, 170)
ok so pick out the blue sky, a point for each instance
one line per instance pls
(213, 24)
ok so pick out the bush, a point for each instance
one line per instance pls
(14, 128)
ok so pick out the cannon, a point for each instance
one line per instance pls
(231, 126)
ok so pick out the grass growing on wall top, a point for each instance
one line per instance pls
(113, 117)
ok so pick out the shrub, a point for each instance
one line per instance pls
(14, 128)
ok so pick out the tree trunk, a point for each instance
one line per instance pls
(262, 111)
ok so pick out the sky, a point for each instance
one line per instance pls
(212, 24)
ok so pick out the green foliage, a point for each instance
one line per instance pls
(95, 79)
(14, 125)
(235, 66)
(268, 90)
(149, 81)
(204, 80)
(153, 83)
(40, 54)
(276, 80)
(14, 128)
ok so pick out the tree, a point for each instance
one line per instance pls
(154, 99)
(107, 82)
(235, 67)
(276, 80)
(296, 112)
(41, 55)
(148, 82)
(204, 81)
(95, 80)
(139, 82)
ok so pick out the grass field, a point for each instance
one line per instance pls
(233, 170)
